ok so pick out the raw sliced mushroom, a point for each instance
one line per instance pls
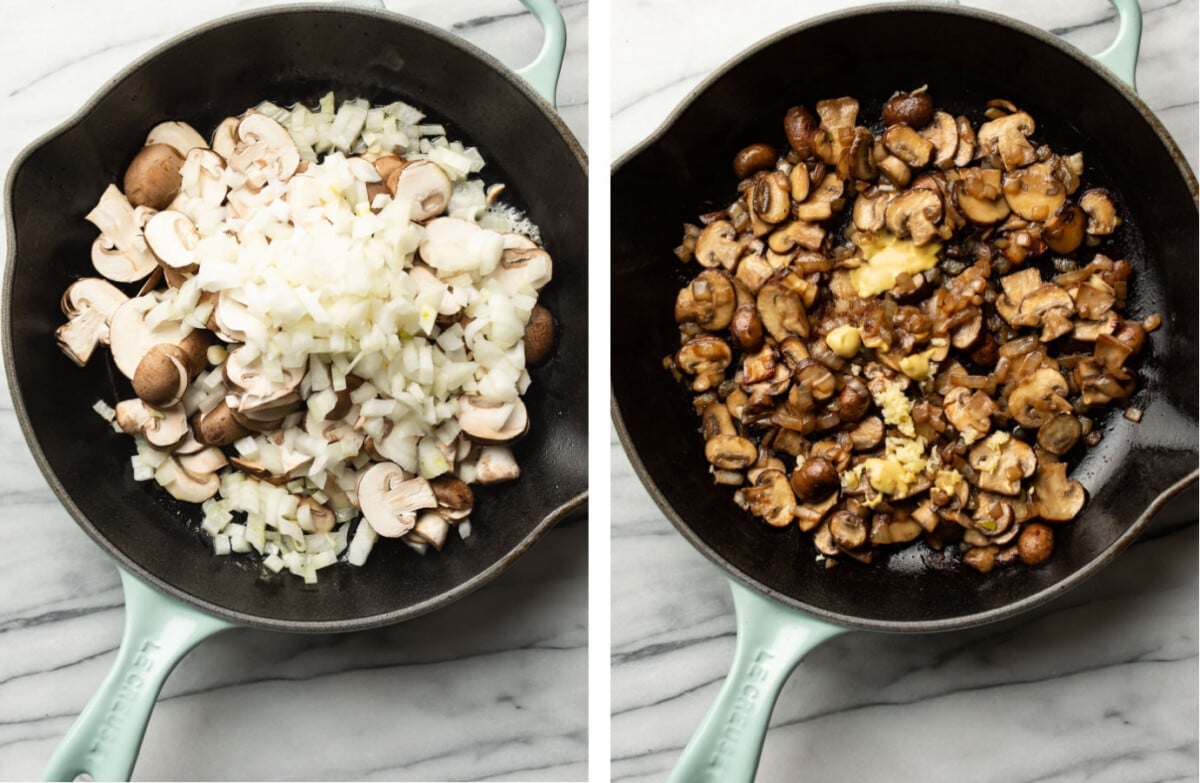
(173, 238)
(390, 499)
(178, 135)
(153, 178)
(496, 464)
(264, 146)
(424, 185)
(79, 337)
(92, 293)
(492, 423)
(119, 253)
(224, 138)
(208, 459)
(131, 338)
(431, 529)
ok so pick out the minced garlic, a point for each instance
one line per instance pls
(896, 408)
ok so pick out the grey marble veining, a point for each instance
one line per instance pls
(1100, 685)
(491, 688)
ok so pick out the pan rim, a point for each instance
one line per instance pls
(240, 618)
(730, 571)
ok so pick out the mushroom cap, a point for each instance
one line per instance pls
(153, 178)
(173, 238)
(539, 336)
(162, 376)
(132, 416)
(179, 135)
(424, 185)
(218, 427)
(942, 133)
(781, 310)
(709, 300)
(492, 423)
(131, 338)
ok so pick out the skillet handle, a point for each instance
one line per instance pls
(771, 640)
(542, 73)
(106, 737)
(1121, 56)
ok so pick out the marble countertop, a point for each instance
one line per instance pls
(1100, 685)
(493, 687)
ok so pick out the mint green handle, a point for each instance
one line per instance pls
(542, 73)
(771, 640)
(1121, 56)
(107, 735)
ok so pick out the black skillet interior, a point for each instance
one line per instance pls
(686, 171)
(285, 56)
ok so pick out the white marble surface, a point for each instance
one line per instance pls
(1099, 686)
(493, 687)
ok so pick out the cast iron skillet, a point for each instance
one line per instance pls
(683, 170)
(284, 54)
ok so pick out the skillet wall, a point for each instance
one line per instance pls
(687, 172)
(285, 57)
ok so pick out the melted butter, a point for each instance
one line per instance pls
(886, 258)
(845, 341)
(918, 366)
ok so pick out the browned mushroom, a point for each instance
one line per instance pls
(849, 531)
(942, 133)
(1058, 497)
(781, 310)
(772, 197)
(1060, 433)
(1007, 137)
(1101, 212)
(1034, 192)
(980, 195)
(970, 412)
(752, 159)
(912, 109)
(1001, 463)
(708, 301)
(815, 479)
(1064, 230)
(705, 357)
(908, 145)
(718, 245)
(730, 452)
(914, 213)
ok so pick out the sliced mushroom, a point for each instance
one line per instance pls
(1063, 231)
(1001, 466)
(264, 146)
(320, 518)
(454, 496)
(1060, 434)
(705, 357)
(771, 197)
(730, 452)
(868, 434)
(532, 264)
(78, 337)
(179, 135)
(995, 519)
(914, 213)
(966, 142)
(165, 428)
(980, 195)
(390, 499)
(796, 234)
(781, 310)
(896, 170)
(92, 293)
(970, 413)
(908, 145)
(1058, 498)
(799, 182)
(848, 530)
(859, 163)
(838, 118)
(1034, 192)
(249, 377)
(708, 301)
(131, 338)
(186, 486)
(173, 238)
(1038, 398)
(870, 210)
(942, 133)
(224, 138)
(431, 529)
(718, 245)
(208, 459)
(1007, 137)
(492, 423)
(771, 498)
(424, 185)
(120, 252)
(1101, 212)
(153, 178)
(496, 464)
